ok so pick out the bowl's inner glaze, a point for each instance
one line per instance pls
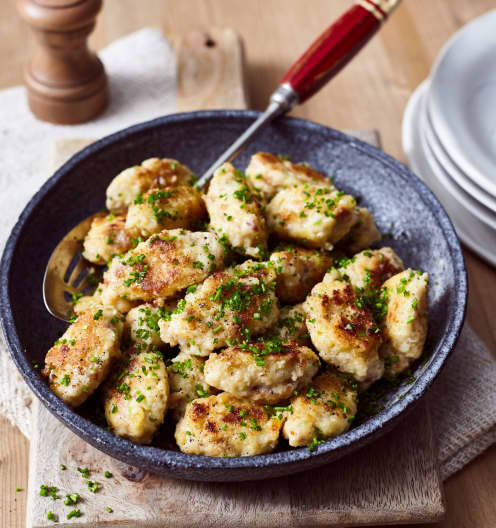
(402, 207)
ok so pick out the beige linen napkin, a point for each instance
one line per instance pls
(463, 400)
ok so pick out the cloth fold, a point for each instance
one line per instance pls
(463, 404)
(463, 400)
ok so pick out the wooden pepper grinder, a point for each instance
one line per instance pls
(66, 82)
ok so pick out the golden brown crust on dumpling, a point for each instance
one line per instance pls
(343, 330)
(269, 174)
(136, 398)
(298, 271)
(323, 410)
(236, 212)
(107, 237)
(291, 325)
(406, 320)
(226, 308)
(153, 172)
(163, 265)
(314, 217)
(262, 372)
(224, 426)
(187, 382)
(371, 268)
(165, 208)
(81, 359)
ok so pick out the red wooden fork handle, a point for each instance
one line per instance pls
(337, 46)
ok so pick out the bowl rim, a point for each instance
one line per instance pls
(163, 460)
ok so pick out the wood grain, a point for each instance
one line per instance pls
(371, 93)
(210, 70)
(393, 480)
(14, 463)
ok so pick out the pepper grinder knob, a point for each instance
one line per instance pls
(66, 82)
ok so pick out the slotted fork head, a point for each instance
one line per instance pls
(68, 275)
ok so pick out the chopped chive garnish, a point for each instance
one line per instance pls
(93, 486)
(85, 472)
(74, 513)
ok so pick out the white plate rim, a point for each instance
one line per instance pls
(442, 129)
(409, 130)
(468, 185)
(443, 176)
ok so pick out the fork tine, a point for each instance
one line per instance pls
(77, 271)
(70, 267)
(66, 271)
(80, 278)
(91, 281)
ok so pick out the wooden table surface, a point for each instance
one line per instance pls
(371, 93)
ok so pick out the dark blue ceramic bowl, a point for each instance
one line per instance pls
(402, 205)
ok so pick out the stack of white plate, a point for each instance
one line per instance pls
(449, 133)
